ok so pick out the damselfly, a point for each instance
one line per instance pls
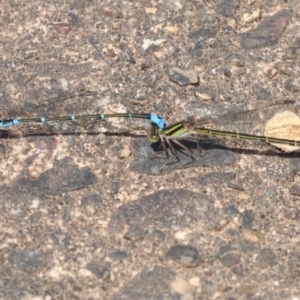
(156, 120)
(179, 131)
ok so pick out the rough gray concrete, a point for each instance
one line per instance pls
(93, 210)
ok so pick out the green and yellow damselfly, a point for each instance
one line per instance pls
(183, 130)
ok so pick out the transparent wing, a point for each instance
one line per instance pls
(252, 121)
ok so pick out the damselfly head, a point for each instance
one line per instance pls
(153, 134)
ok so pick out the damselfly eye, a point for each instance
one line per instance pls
(153, 134)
